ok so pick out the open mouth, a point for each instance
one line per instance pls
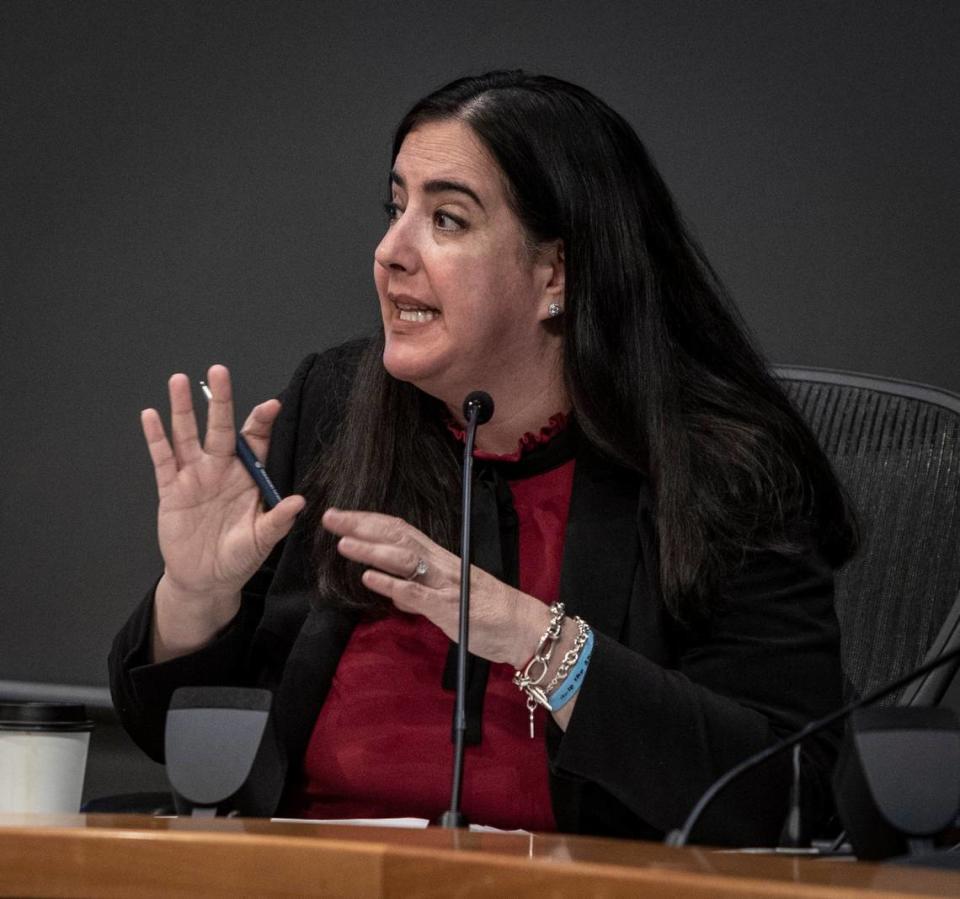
(414, 312)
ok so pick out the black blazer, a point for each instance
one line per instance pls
(664, 708)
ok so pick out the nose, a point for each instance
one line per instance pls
(397, 250)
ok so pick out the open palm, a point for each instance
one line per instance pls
(212, 531)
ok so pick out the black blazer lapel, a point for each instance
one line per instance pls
(602, 543)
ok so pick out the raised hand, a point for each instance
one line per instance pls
(212, 529)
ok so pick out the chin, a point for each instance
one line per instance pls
(410, 364)
(427, 371)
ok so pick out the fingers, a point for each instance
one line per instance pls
(390, 545)
(258, 426)
(273, 526)
(493, 616)
(391, 548)
(408, 596)
(395, 560)
(373, 526)
(183, 422)
(221, 436)
(164, 461)
(439, 605)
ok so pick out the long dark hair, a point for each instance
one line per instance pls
(661, 374)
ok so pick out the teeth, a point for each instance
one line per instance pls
(418, 315)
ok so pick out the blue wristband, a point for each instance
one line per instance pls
(571, 683)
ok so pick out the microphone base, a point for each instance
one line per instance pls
(453, 820)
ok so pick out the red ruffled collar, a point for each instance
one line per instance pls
(525, 444)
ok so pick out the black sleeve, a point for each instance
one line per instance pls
(141, 690)
(654, 738)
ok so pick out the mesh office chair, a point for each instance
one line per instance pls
(896, 447)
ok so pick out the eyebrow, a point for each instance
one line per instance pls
(439, 186)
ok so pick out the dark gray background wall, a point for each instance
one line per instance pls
(183, 183)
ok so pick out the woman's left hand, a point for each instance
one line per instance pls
(505, 624)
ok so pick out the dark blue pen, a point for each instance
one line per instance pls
(251, 463)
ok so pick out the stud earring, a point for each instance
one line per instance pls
(554, 309)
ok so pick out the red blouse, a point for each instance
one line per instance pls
(381, 746)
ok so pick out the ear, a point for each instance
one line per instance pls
(550, 267)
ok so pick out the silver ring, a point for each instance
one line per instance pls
(421, 569)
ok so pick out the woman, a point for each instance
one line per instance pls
(641, 467)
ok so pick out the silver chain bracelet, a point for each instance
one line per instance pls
(529, 680)
(570, 656)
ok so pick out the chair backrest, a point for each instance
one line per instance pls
(896, 448)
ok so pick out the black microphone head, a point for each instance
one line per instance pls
(482, 403)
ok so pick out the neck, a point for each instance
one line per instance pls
(516, 413)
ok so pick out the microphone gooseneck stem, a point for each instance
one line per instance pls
(454, 817)
(680, 837)
(793, 835)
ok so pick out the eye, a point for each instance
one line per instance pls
(393, 211)
(446, 222)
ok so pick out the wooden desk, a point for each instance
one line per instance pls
(133, 856)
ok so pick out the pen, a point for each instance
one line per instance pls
(252, 464)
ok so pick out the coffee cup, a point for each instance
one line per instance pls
(43, 756)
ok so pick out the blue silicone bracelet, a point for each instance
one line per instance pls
(571, 683)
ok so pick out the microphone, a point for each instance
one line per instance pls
(477, 410)
(680, 836)
(480, 404)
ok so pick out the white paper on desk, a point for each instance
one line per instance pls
(414, 823)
